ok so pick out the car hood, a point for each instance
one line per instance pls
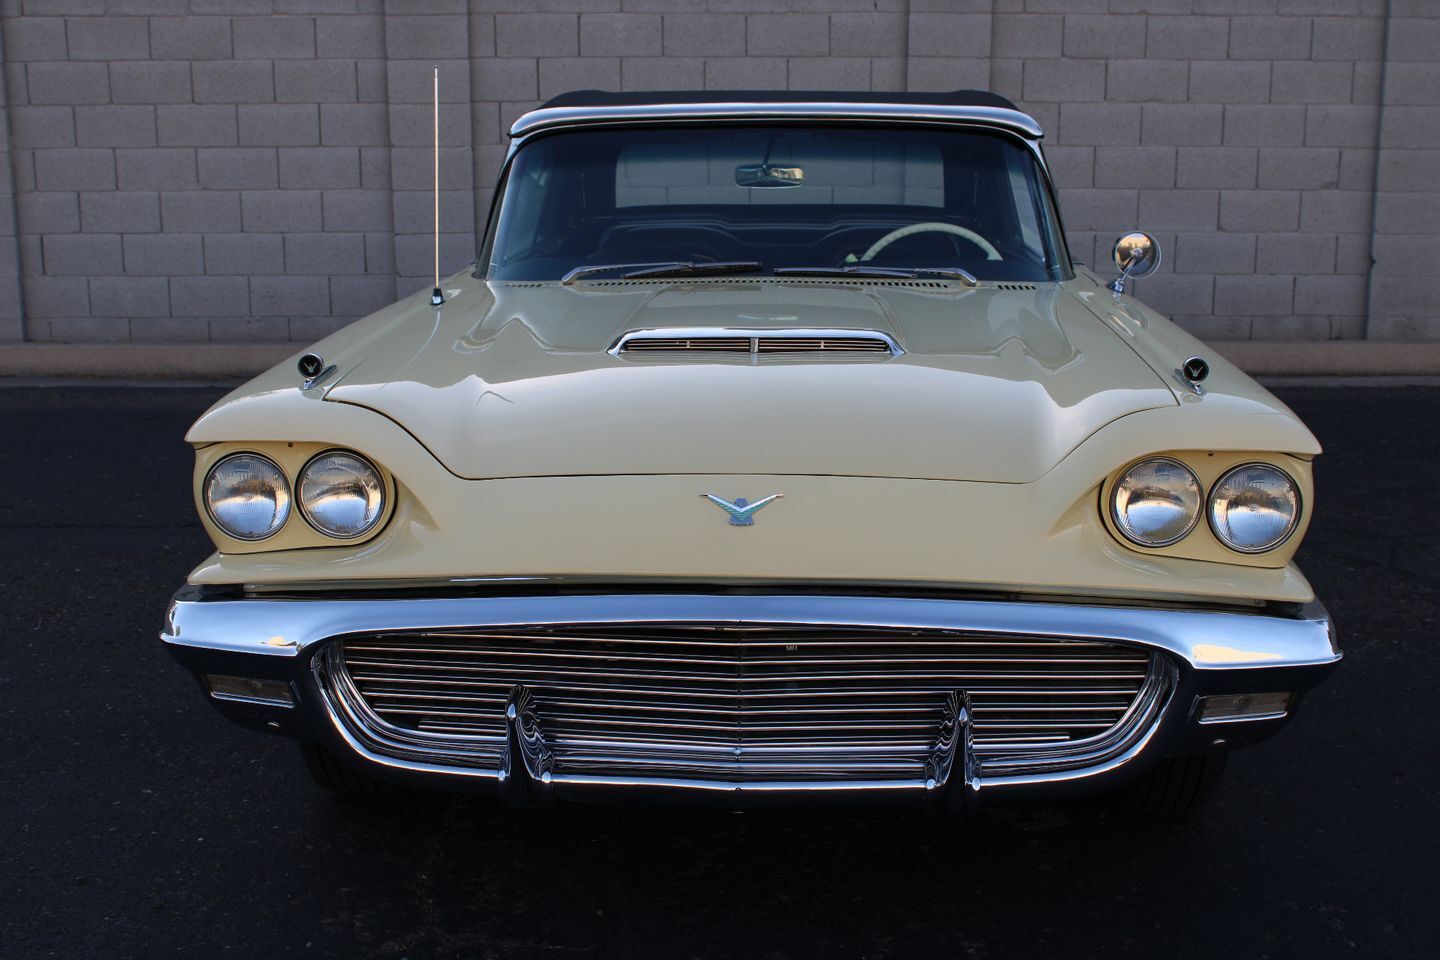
(995, 383)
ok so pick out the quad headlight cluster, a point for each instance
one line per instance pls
(340, 494)
(1251, 508)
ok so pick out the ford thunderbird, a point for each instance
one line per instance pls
(774, 448)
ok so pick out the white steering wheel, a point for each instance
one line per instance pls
(933, 227)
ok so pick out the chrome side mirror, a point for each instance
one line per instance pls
(1136, 256)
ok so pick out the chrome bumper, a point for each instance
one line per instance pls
(1202, 653)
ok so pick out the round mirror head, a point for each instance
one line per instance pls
(1136, 255)
(310, 365)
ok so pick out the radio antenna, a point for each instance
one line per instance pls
(436, 296)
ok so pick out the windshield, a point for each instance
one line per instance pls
(765, 198)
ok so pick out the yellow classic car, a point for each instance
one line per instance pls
(773, 448)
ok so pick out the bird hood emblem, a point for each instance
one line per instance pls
(742, 512)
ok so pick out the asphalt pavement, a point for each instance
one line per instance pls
(135, 822)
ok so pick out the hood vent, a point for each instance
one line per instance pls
(757, 342)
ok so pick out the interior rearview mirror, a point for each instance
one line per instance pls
(769, 175)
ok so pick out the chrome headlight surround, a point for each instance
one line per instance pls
(1219, 526)
(280, 487)
(370, 479)
(1191, 485)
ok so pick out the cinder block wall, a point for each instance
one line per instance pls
(232, 170)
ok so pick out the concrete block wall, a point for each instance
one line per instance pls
(1405, 284)
(1242, 133)
(243, 170)
(12, 311)
(199, 171)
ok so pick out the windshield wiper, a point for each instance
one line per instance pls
(667, 268)
(686, 268)
(864, 270)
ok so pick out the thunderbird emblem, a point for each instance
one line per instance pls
(742, 512)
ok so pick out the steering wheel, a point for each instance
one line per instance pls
(933, 227)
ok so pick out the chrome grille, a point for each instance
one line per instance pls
(732, 701)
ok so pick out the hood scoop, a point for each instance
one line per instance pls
(711, 340)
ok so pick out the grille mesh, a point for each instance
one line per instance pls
(731, 700)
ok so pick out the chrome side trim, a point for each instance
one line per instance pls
(550, 117)
(1205, 640)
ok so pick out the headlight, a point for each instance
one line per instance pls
(1254, 508)
(341, 494)
(1156, 502)
(247, 496)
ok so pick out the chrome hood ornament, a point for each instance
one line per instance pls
(742, 512)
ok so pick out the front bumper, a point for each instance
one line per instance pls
(1196, 653)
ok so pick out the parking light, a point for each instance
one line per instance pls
(1244, 706)
(274, 693)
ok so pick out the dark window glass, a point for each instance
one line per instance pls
(787, 196)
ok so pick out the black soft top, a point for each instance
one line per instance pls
(606, 98)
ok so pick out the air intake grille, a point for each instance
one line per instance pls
(724, 700)
(756, 343)
(712, 344)
(817, 345)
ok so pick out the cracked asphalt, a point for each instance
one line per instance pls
(137, 823)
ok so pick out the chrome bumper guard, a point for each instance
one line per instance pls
(1193, 653)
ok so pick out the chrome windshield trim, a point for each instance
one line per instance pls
(547, 118)
(1203, 639)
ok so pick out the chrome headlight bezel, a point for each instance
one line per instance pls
(1124, 529)
(1295, 518)
(382, 504)
(286, 498)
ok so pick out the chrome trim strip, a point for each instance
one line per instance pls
(253, 701)
(752, 334)
(1205, 640)
(547, 118)
(1248, 718)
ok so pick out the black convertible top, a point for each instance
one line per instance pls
(606, 98)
